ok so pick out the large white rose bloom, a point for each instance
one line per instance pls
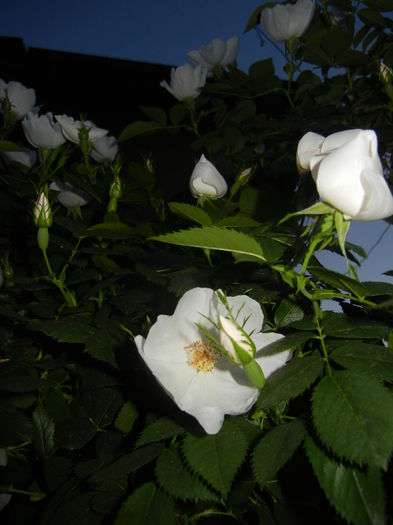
(202, 381)
(347, 172)
(217, 53)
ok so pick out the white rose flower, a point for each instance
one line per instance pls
(104, 148)
(43, 131)
(200, 380)
(207, 180)
(27, 157)
(69, 196)
(348, 173)
(186, 81)
(71, 127)
(283, 22)
(4, 498)
(21, 98)
(217, 53)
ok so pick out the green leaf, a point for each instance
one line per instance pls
(286, 343)
(147, 505)
(137, 128)
(217, 458)
(162, 428)
(127, 463)
(372, 359)
(379, 5)
(70, 329)
(287, 312)
(337, 280)
(275, 449)
(193, 213)
(215, 239)
(43, 432)
(291, 380)
(238, 221)
(371, 18)
(126, 417)
(112, 230)
(156, 114)
(353, 415)
(102, 344)
(7, 145)
(320, 208)
(357, 495)
(344, 326)
(175, 479)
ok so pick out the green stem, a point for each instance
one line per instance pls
(11, 490)
(321, 336)
(68, 296)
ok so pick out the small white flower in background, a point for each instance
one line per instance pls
(285, 21)
(217, 53)
(21, 98)
(42, 131)
(4, 498)
(70, 128)
(27, 157)
(69, 196)
(186, 81)
(200, 380)
(206, 180)
(104, 148)
(348, 173)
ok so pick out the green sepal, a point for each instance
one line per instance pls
(255, 374)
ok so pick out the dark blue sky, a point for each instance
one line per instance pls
(162, 31)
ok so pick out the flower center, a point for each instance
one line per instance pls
(202, 356)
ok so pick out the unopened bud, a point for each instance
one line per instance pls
(115, 190)
(385, 73)
(42, 213)
(235, 341)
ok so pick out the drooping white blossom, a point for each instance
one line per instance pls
(285, 21)
(71, 128)
(201, 380)
(217, 53)
(104, 148)
(21, 98)
(68, 195)
(27, 157)
(42, 131)
(186, 81)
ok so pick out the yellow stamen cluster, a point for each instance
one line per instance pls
(202, 356)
